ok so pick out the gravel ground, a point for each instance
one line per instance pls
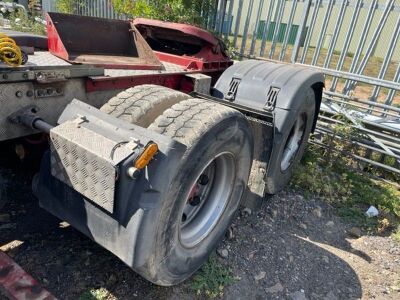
(292, 248)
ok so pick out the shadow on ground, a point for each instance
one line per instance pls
(290, 239)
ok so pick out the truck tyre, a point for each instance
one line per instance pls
(206, 191)
(142, 104)
(291, 148)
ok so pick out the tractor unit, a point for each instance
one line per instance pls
(151, 136)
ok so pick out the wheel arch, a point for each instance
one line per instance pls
(282, 90)
(258, 78)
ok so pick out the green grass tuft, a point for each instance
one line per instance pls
(96, 294)
(27, 23)
(211, 279)
(350, 192)
(396, 234)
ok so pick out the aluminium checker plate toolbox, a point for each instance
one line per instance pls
(85, 154)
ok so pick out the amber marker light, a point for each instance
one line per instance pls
(147, 155)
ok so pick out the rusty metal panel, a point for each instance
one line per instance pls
(15, 283)
(113, 43)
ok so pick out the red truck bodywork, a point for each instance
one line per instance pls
(141, 44)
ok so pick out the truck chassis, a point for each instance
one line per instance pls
(153, 174)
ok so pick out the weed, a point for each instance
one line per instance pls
(339, 53)
(66, 6)
(396, 234)
(27, 23)
(350, 192)
(96, 294)
(211, 279)
(230, 48)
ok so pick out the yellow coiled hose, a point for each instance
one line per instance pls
(10, 53)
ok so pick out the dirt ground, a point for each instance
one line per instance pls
(292, 248)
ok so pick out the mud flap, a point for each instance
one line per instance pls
(116, 226)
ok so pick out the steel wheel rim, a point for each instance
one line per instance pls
(293, 142)
(197, 221)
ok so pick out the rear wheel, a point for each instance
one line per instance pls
(206, 191)
(142, 104)
(207, 199)
(291, 149)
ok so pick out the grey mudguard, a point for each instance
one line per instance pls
(135, 198)
(279, 89)
(258, 77)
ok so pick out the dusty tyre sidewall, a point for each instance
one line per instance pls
(175, 262)
(278, 179)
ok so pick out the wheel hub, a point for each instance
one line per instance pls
(207, 199)
(293, 142)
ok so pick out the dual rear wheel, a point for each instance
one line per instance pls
(212, 176)
(210, 181)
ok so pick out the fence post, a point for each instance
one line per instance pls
(390, 96)
(237, 23)
(246, 27)
(338, 26)
(346, 44)
(388, 57)
(372, 43)
(278, 21)
(266, 27)
(287, 31)
(302, 26)
(255, 31)
(230, 9)
(321, 37)
(219, 24)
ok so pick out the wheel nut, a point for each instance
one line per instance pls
(184, 217)
(194, 201)
(203, 180)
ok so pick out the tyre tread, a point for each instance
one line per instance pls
(188, 120)
(133, 104)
